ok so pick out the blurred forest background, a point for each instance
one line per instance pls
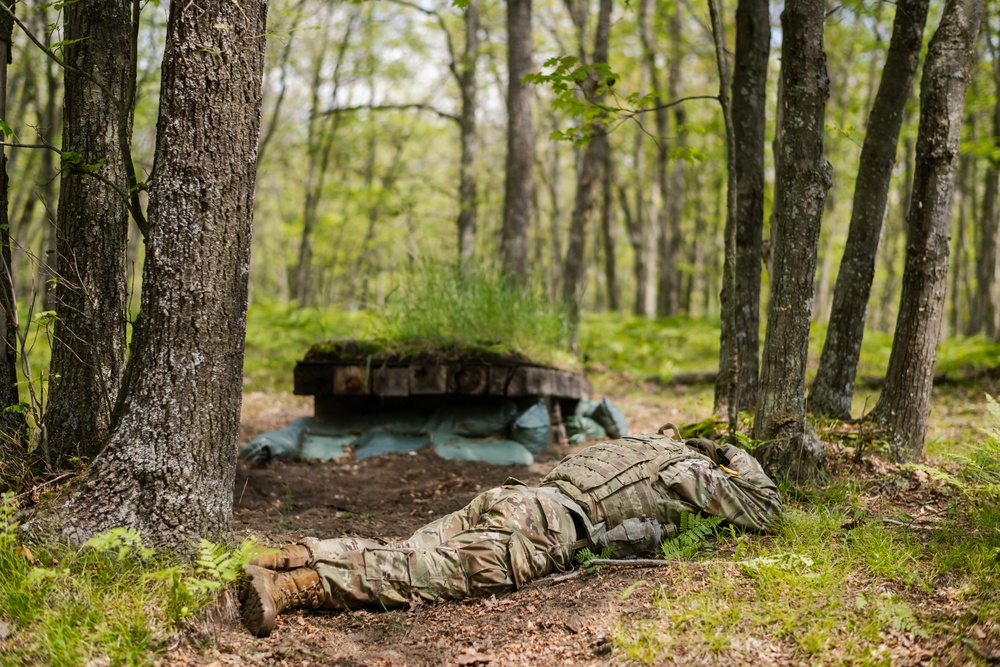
(361, 154)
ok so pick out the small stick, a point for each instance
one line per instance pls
(635, 562)
(910, 524)
(557, 578)
(985, 656)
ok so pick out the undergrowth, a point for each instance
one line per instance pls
(437, 307)
(694, 529)
(113, 602)
(836, 584)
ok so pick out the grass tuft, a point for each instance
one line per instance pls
(439, 307)
(835, 584)
(112, 602)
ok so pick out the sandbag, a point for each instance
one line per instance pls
(611, 418)
(495, 452)
(581, 429)
(533, 428)
(473, 421)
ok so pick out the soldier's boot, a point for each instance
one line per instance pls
(288, 558)
(266, 593)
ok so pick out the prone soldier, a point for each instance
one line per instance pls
(627, 495)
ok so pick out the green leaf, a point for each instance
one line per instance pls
(7, 130)
(65, 42)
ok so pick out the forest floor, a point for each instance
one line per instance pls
(847, 594)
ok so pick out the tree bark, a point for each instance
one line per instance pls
(13, 428)
(833, 388)
(518, 209)
(607, 231)
(168, 469)
(728, 310)
(753, 45)
(552, 185)
(661, 117)
(984, 308)
(903, 408)
(51, 121)
(467, 166)
(958, 265)
(574, 270)
(89, 345)
(805, 178)
(669, 293)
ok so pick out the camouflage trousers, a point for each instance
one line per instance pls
(504, 538)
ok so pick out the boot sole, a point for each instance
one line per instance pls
(256, 607)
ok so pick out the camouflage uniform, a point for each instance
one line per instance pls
(504, 538)
(510, 535)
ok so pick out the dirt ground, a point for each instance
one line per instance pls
(563, 623)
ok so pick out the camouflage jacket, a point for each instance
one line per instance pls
(660, 477)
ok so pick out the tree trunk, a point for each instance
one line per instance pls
(660, 114)
(574, 270)
(805, 177)
(728, 310)
(13, 429)
(607, 231)
(984, 308)
(51, 121)
(958, 265)
(753, 44)
(518, 209)
(467, 168)
(891, 241)
(670, 263)
(89, 345)
(168, 469)
(904, 405)
(552, 184)
(834, 385)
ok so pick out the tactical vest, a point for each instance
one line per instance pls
(613, 481)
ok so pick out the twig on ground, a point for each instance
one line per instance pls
(635, 562)
(556, 578)
(910, 524)
(986, 656)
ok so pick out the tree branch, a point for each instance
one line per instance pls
(421, 106)
(20, 145)
(447, 34)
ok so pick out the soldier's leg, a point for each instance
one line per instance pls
(450, 525)
(517, 537)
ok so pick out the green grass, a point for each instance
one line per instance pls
(437, 307)
(643, 347)
(113, 602)
(278, 335)
(834, 584)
